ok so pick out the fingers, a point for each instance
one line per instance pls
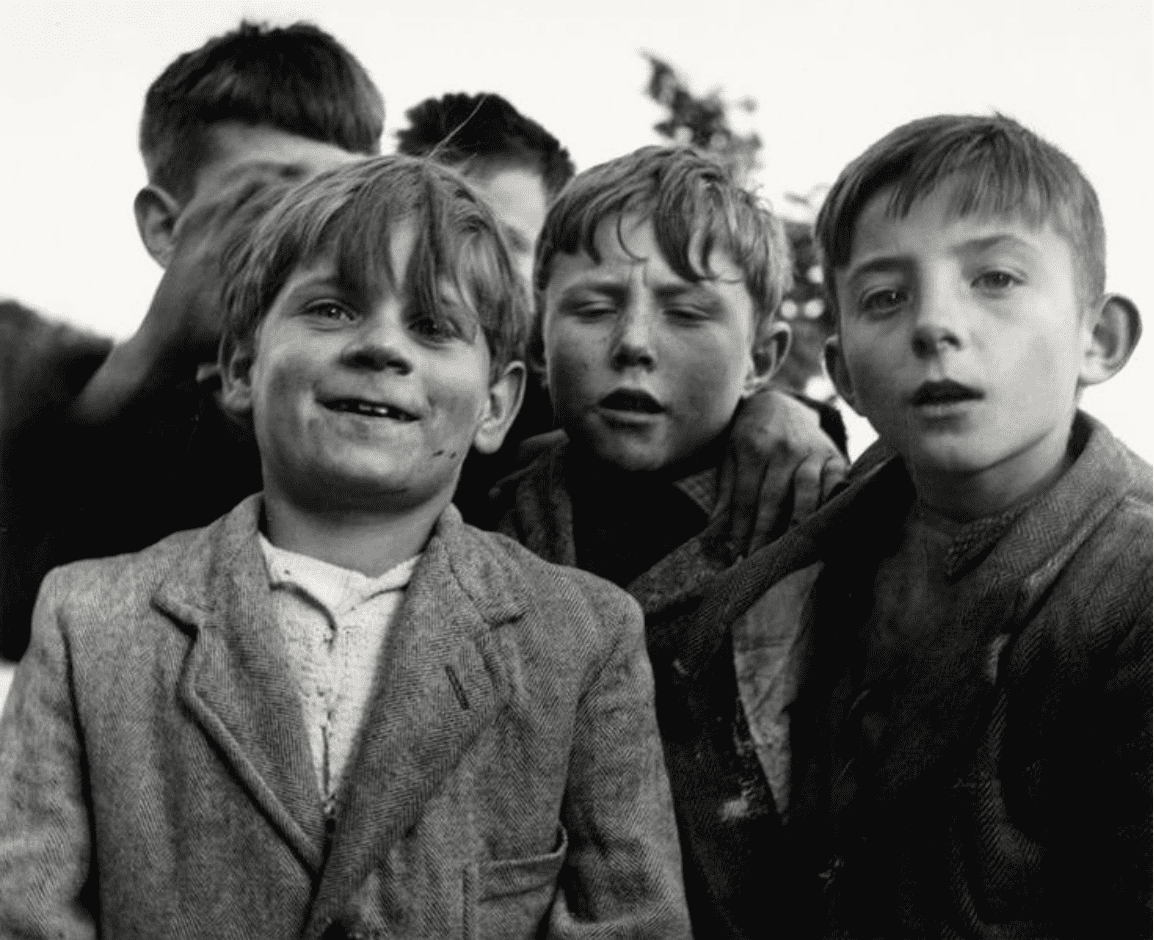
(812, 481)
(833, 474)
(762, 477)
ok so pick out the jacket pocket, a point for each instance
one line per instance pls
(510, 897)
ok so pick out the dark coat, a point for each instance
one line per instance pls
(738, 875)
(156, 779)
(1010, 795)
(170, 461)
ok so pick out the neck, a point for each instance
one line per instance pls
(964, 497)
(369, 542)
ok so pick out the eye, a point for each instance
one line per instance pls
(330, 311)
(996, 281)
(435, 329)
(686, 314)
(594, 310)
(883, 301)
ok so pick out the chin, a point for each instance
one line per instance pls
(631, 460)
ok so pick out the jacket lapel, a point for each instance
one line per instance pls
(951, 685)
(236, 680)
(442, 680)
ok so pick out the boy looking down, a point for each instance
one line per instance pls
(338, 711)
(658, 279)
(969, 622)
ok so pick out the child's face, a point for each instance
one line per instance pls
(962, 341)
(645, 368)
(363, 401)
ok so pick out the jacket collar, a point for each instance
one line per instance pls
(1028, 555)
(441, 680)
(544, 510)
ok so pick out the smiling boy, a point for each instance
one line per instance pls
(970, 621)
(338, 711)
(658, 280)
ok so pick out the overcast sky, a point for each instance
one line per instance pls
(830, 77)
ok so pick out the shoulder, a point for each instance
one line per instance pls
(558, 584)
(43, 363)
(106, 593)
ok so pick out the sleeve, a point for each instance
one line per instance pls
(622, 876)
(45, 843)
(1118, 793)
(43, 367)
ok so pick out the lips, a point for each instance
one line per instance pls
(633, 400)
(369, 409)
(946, 392)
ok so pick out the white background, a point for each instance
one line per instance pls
(830, 75)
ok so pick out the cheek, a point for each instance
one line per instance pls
(710, 373)
(572, 357)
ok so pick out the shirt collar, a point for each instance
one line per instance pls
(338, 590)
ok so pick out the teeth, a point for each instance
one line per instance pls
(375, 411)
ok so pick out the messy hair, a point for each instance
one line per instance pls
(297, 79)
(695, 206)
(349, 215)
(994, 167)
(484, 131)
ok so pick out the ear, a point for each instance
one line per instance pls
(770, 347)
(838, 373)
(236, 360)
(156, 213)
(504, 402)
(1112, 330)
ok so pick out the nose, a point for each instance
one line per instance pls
(380, 345)
(633, 338)
(939, 320)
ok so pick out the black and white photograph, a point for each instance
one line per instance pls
(582, 470)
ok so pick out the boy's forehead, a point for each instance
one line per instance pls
(937, 220)
(628, 241)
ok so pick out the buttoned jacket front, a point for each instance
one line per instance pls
(156, 780)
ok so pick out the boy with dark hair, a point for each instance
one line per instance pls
(969, 622)
(107, 447)
(658, 281)
(296, 80)
(345, 712)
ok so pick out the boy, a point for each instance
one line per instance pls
(658, 279)
(106, 448)
(256, 729)
(780, 446)
(970, 620)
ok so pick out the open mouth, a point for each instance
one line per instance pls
(631, 400)
(370, 409)
(945, 392)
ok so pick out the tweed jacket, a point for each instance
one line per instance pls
(156, 779)
(1010, 793)
(739, 878)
